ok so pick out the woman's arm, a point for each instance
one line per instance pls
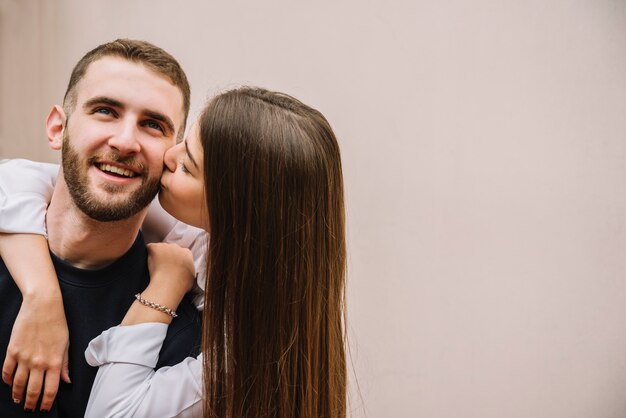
(126, 384)
(37, 354)
(172, 275)
(161, 226)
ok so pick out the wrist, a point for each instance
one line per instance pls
(156, 306)
(152, 306)
(166, 296)
(42, 294)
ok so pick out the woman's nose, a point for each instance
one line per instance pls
(170, 157)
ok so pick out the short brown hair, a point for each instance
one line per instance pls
(132, 50)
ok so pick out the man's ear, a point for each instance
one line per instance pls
(55, 125)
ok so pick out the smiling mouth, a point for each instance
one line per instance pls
(116, 171)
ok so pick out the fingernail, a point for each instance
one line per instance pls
(15, 400)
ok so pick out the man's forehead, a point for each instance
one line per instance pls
(113, 65)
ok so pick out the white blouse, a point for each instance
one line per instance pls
(127, 384)
(25, 192)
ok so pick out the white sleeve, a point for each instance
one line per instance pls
(127, 385)
(25, 192)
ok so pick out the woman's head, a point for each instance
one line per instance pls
(253, 150)
(273, 193)
(262, 172)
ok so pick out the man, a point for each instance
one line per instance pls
(125, 105)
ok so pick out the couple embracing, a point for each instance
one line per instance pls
(246, 323)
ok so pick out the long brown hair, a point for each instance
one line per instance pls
(273, 341)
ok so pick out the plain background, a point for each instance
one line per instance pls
(484, 148)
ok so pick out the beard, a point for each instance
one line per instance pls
(105, 209)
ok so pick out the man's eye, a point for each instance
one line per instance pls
(153, 125)
(103, 111)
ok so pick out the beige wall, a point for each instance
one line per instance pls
(484, 145)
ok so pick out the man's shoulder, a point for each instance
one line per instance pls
(188, 320)
(184, 335)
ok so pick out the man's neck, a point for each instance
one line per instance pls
(84, 242)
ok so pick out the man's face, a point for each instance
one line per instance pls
(124, 119)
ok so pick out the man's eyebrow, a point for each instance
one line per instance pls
(190, 156)
(103, 100)
(162, 118)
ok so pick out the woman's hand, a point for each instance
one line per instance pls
(37, 355)
(171, 266)
(172, 274)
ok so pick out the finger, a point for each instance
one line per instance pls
(33, 390)
(19, 382)
(51, 387)
(65, 369)
(10, 362)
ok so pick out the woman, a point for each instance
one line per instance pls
(262, 173)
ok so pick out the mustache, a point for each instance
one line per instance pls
(131, 162)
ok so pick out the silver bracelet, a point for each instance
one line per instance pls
(156, 306)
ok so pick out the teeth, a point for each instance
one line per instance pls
(116, 170)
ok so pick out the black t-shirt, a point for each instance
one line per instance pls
(94, 301)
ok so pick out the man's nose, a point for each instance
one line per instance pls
(125, 140)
